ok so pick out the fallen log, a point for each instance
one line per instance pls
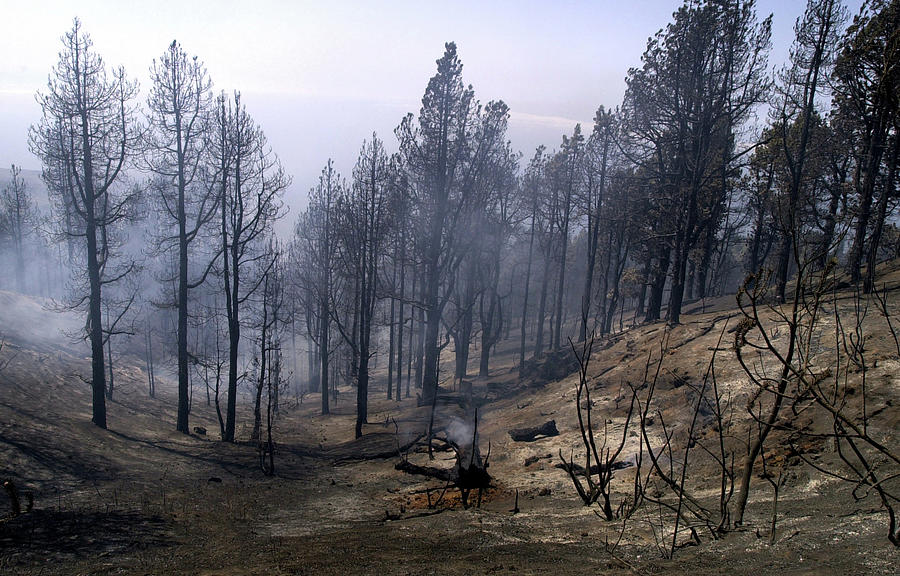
(372, 446)
(578, 469)
(445, 474)
(545, 430)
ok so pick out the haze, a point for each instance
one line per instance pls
(319, 77)
(343, 288)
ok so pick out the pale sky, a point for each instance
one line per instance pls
(320, 76)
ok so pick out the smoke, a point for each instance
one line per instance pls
(459, 431)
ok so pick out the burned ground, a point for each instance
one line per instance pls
(141, 498)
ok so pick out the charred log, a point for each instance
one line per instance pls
(578, 469)
(443, 474)
(545, 430)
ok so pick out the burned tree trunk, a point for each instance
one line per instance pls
(470, 472)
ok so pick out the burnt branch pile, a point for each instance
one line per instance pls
(469, 473)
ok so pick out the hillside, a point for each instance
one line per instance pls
(141, 498)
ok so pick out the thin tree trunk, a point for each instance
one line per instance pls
(556, 334)
(400, 314)
(111, 386)
(412, 331)
(261, 381)
(614, 301)
(880, 217)
(526, 291)
(756, 256)
(840, 177)
(875, 150)
(391, 345)
(657, 286)
(323, 353)
(542, 311)
(491, 332)
(420, 348)
(593, 242)
(354, 347)
(150, 383)
(603, 307)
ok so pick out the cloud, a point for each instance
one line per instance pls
(559, 123)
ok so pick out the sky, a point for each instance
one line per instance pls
(319, 77)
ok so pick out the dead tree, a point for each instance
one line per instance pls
(151, 382)
(179, 105)
(665, 482)
(250, 181)
(599, 462)
(88, 126)
(779, 351)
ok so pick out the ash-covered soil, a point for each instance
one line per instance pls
(143, 499)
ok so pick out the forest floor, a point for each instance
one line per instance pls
(140, 498)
